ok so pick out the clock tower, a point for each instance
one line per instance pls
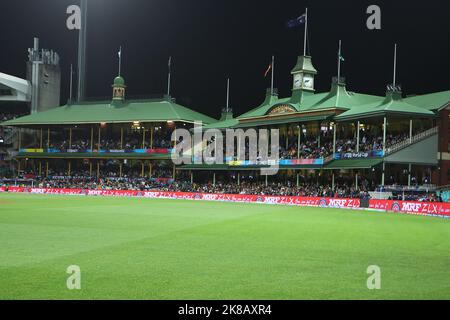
(303, 75)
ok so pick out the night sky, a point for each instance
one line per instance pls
(211, 40)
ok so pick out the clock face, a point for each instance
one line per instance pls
(297, 81)
(308, 82)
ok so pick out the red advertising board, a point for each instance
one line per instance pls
(413, 207)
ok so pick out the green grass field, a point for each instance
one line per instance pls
(175, 249)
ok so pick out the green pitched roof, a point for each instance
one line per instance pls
(228, 123)
(264, 107)
(392, 104)
(431, 101)
(339, 97)
(128, 111)
(295, 118)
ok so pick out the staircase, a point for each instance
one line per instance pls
(10, 135)
(407, 142)
(11, 154)
(328, 159)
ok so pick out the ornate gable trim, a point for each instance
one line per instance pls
(281, 109)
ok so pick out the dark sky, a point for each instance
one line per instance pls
(211, 40)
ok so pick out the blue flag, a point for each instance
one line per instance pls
(296, 22)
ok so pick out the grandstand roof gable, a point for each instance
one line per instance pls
(391, 104)
(431, 101)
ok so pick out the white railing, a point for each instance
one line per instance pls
(10, 134)
(11, 154)
(399, 187)
(444, 188)
(418, 137)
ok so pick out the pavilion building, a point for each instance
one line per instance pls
(103, 138)
(409, 137)
(324, 137)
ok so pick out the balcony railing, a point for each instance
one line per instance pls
(407, 142)
(10, 135)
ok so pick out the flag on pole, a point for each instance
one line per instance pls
(296, 22)
(268, 69)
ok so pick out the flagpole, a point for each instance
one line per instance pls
(395, 65)
(120, 58)
(228, 94)
(306, 32)
(168, 78)
(339, 63)
(271, 82)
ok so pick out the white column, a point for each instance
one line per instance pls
(298, 141)
(356, 181)
(298, 179)
(192, 177)
(318, 139)
(267, 183)
(238, 153)
(214, 179)
(409, 175)
(19, 137)
(332, 180)
(384, 135)
(287, 137)
(382, 174)
(239, 179)
(334, 137)
(410, 130)
(357, 137)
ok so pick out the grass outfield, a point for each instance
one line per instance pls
(131, 248)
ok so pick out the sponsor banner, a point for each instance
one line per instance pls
(301, 161)
(31, 150)
(163, 180)
(245, 163)
(52, 150)
(74, 150)
(285, 162)
(412, 207)
(359, 155)
(158, 151)
(114, 151)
